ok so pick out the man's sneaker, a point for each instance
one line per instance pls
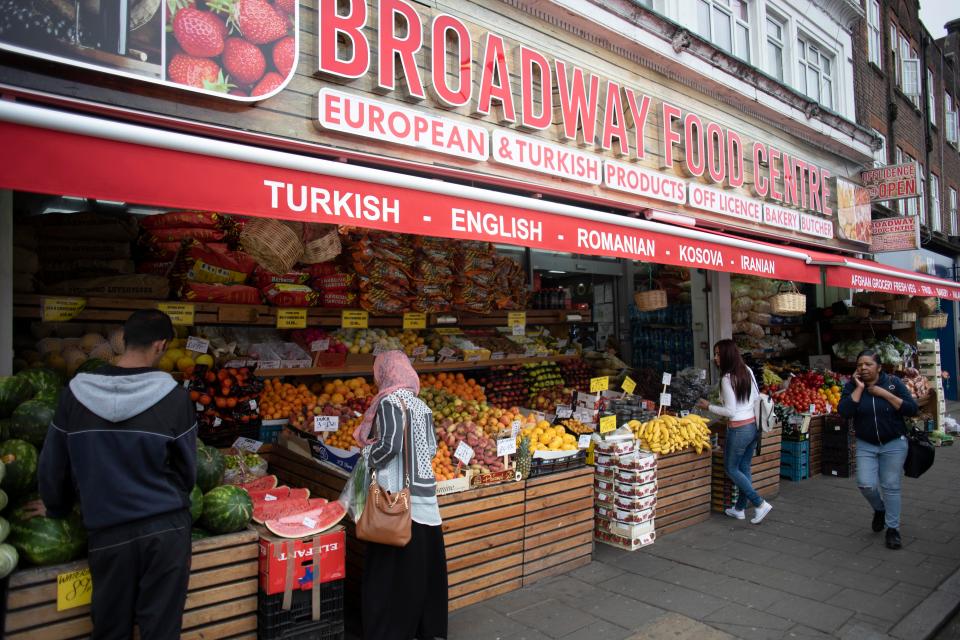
(878, 520)
(893, 539)
(761, 512)
(735, 513)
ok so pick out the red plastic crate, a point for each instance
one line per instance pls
(275, 558)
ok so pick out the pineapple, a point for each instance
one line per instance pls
(523, 457)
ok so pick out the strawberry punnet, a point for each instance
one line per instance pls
(199, 33)
(243, 61)
(256, 20)
(284, 53)
(202, 73)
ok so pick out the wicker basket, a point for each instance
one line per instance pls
(324, 246)
(936, 320)
(905, 316)
(273, 244)
(789, 303)
(897, 304)
(651, 300)
(924, 305)
(878, 297)
(860, 312)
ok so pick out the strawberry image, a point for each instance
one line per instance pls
(199, 33)
(271, 82)
(284, 53)
(171, 7)
(201, 73)
(289, 7)
(243, 61)
(256, 20)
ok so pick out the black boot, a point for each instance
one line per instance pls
(878, 520)
(893, 539)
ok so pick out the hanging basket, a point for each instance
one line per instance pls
(323, 247)
(859, 312)
(905, 316)
(936, 320)
(789, 303)
(924, 305)
(273, 244)
(651, 300)
(897, 304)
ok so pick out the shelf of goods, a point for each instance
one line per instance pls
(221, 596)
(765, 471)
(498, 538)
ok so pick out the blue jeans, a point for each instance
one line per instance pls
(737, 454)
(880, 470)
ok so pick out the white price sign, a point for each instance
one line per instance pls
(665, 400)
(269, 498)
(583, 441)
(506, 446)
(199, 345)
(247, 444)
(518, 330)
(320, 345)
(813, 408)
(703, 374)
(309, 522)
(326, 423)
(584, 415)
(497, 355)
(667, 377)
(446, 352)
(515, 428)
(464, 453)
(564, 411)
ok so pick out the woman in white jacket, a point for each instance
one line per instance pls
(738, 395)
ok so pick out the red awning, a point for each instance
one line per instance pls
(53, 152)
(851, 273)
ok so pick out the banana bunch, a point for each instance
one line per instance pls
(666, 434)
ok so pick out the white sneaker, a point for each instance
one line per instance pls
(761, 512)
(735, 513)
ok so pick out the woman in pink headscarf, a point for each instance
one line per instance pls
(404, 589)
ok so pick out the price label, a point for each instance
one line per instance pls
(247, 444)
(584, 415)
(498, 355)
(628, 385)
(420, 350)
(309, 522)
(74, 589)
(608, 424)
(561, 343)
(429, 359)
(181, 313)
(570, 352)
(539, 415)
(446, 352)
(506, 446)
(703, 374)
(217, 421)
(665, 400)
(62, 309)
(464, 452)
(326, 423)
(574, 317)
(352, 319)
(199, 345)
(564, 411)
(414, 320)
(684, 414)
(320, 345)
(518, 330)
(599, 384)
(813, 409)
(667, 378)
(269, 498)
(291, 318)
(515, 318)
(253, 405)
(515, 428)
(446, 319)
(199, 407)
(583, 441)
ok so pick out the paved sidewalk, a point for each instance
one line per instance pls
(812, 569)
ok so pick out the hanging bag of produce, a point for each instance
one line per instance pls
(354, 494)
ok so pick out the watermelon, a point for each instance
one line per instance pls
(264, 511)
(210, 468)
(226, 509)
(4, 429)
(46, 541)
(198, 534)
(91, 365)
(14, 390)
(3, 500)
(3, 472)
(265, 482)
(196, 503)
(8, 560)
(45, 382)
(20, 459)
(4, 529)
(283, 491)
(308, 523)
(31, 419)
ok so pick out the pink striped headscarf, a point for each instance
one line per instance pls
(392, 371)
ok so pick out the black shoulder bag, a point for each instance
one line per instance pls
(920, 453)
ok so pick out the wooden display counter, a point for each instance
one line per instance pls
(221, 600)
(683, 490)
(765, 471)
(498, 538)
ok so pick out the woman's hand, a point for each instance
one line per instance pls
(857, 381)
(878, 391)
(703, 404)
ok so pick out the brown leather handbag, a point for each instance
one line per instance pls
(386, 516)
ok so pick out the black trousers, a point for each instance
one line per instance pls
(404, 589)
(140, 573)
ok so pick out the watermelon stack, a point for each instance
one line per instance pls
(226, 509)
(20, 467)
(46, 541)
(31, 419)
(14, 390)
(210, 467)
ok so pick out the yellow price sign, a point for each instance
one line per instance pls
(350, 319)
(599, 384)
(414, 320)
(291, 318)
(628, 384)
(74, 589)
(62, 309)
(517, 319)
(447, 331)
(181, 313)
(608, 424)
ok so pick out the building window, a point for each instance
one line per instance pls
(953, 212)
(931, 99)
(922, 192)
(815, 72)
(904, 55)
(935, 202)
(880, 155)
(895, 50)
(950, 118)
(775, 46)
(874, 46)
(912, 79)
(726, 23)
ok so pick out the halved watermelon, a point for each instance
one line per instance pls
(263, 511)
(308, 523)
(266, 482)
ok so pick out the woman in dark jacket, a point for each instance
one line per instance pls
(878, 402)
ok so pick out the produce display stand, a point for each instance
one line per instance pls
(765, 471)
(683, 490)
(221, 597)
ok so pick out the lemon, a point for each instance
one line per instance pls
(166, 364)
(205, 359)
(184, 363)
(175, 354)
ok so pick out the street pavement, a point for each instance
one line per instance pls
(812, 569)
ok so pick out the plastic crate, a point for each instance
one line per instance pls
(795, 448)
(794, 472)
(273, 623)
(541, 467)
(839, 470)
(270, 433)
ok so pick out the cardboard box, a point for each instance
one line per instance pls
(290, 562)
(631, 531)
(345, 460)
(627, 476)
(632, 503)
(622, 542)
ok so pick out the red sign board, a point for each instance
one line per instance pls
(891, 182)
(852, 277)
(895, 234)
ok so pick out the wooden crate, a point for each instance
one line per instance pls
(558, 526)
(221, 597)
(683, 490)
(765, 472)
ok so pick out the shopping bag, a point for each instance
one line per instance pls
(354, 494)
(920, 454)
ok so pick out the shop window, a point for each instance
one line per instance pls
(874, 46)
(726, 23)
(931, 99)
(936, 222)
(815, 72)
(775, 46)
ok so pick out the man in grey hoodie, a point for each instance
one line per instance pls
(123, 444)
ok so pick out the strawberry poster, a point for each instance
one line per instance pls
(238, 49)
